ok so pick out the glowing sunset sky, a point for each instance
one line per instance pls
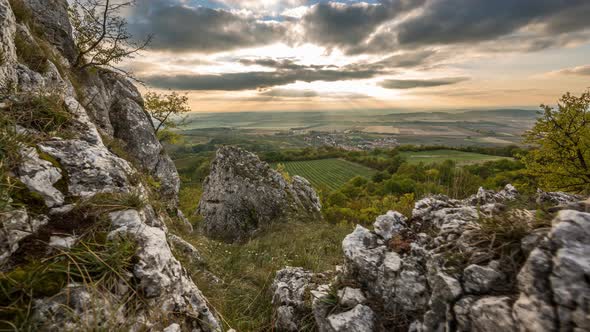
(245, 55)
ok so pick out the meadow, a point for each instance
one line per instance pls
(328, 173)
(437, 156)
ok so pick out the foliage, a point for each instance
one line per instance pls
(562, 137)
(164, 108)
(284, 173)
(361, 201)
(101, 33)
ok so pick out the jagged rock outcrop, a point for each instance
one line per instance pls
(72, 185)
(243, 194)
(450, 268)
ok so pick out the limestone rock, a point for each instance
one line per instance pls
(116, 106)
(360, 319)
(39, 176)
(162, 279)
(289, 298)
(7, 48)
(91, 169)
(79, 308)
(555, 290)
(349, 297)
(243, 194)
(52, 18)
(365, 252)
(14, 227)
(556, 198)
(389, 224)
(482, 279)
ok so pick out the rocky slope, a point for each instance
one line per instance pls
(88, 183)
(243, 194)
(471, 265)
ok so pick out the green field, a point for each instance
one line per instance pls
(331, 173)
(437, 156)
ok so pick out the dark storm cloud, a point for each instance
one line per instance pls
(255, 80)
(346, 26)
(456, 21)
(412, 84)
(201, 29)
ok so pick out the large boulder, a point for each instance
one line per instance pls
(243, 194)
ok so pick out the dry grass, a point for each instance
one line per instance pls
(247, 270)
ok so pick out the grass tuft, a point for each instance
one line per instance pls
(243, 298)
(43, 113)
(31, 54)
(94, 261)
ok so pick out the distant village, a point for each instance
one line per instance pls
(347, 140)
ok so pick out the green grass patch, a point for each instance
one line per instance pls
(244, 297)
(438, 156)
(327, 173)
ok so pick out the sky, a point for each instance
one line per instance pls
(296, 55)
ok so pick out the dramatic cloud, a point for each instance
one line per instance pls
(334, 24)
(455, 21)
(412, 84)
(202, 29)
(255, 80)
(580, 70)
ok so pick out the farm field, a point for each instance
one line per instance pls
(437, 156)
(330, 173)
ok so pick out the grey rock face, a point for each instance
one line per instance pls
(243, 194)
(360, 319)
(39, 176)
(14, 227)
(91, 169)
(51, 16)
(7, 48)
(289, 298)
(390, 224)
(162, 279)
(556, 198)
(555, 289)
(116, 107)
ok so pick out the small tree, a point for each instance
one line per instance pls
(167, 110)
(561, 159)
(101, 33)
